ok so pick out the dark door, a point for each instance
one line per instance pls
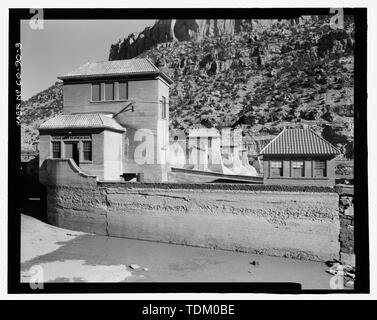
(72, 151)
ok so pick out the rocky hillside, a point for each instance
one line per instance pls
(261, 74)
(42, 106)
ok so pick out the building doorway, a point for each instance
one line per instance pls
(72, 151)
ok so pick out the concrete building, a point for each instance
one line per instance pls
(115, 122)
(207, 149)
(95, 142)
(299, 157)
(234, 152)
(204, 149)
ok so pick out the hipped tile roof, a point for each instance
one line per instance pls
(81, 121)
(114, 68)
(299, 142)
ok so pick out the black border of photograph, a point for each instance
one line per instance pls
(14, 148)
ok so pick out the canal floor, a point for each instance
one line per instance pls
(70, 256)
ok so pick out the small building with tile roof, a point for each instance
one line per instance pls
(94, 141)
(299, 157)
(115, 120)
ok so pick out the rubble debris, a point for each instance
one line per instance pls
(339, 269)
(331, 263)
(336, 269)
(349, 211)
(350, 284)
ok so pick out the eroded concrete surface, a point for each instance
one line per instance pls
(303, 225)
(68, 256)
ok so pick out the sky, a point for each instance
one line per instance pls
(63, 45)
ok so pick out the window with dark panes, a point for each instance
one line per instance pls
(109, 91)
(123, 91)
(87, 150)
(298, 168)
(276, 168)
(163, 106)
(320, 169)
(96, 92)
(56, 149)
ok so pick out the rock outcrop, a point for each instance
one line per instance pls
(164, 31)
(40, 107)
(170, 30)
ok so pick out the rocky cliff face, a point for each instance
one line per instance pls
(190, 30)
(168, 31)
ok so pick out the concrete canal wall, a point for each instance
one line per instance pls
(292, 222)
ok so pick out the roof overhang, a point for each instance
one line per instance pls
(80, 122)
(297, 155)
(77, 129)
(115, 76)
(299, 142)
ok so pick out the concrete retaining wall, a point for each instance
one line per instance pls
(346, 216)
(301, 225)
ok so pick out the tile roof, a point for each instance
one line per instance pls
(81, 121)
(114, 68)
(299, 142)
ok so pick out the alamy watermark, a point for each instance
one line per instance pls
(37, 277)
(36, 22)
